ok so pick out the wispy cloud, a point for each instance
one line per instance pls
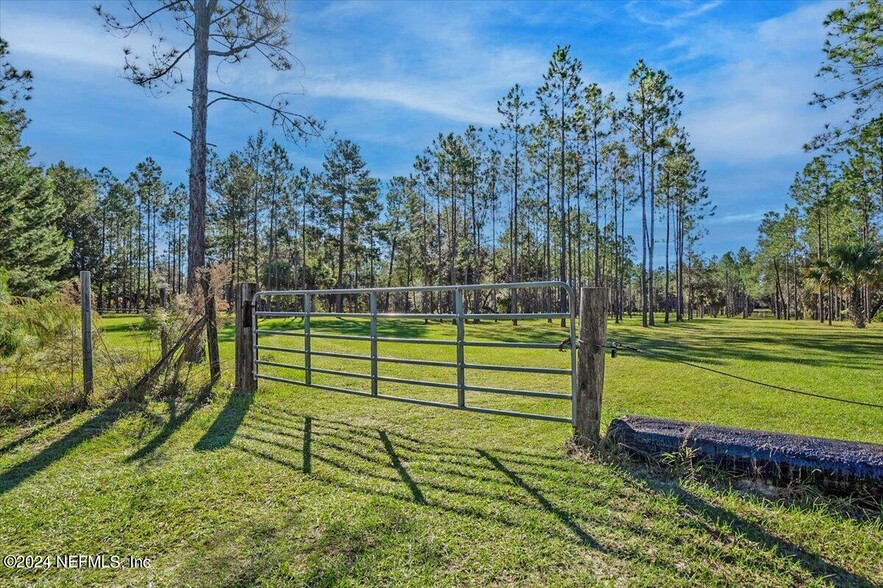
(67, 41)
(671, 13)
(436, 58)
(454, 105)
(742, 217)
(752, 105)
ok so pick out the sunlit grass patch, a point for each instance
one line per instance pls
(299, 486)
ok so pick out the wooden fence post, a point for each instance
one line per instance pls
(590, 365)
(86, 330)
(245, 380)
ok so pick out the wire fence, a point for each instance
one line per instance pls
(616, 347)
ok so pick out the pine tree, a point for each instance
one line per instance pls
(32, 248)
(348, 206)
(79, 220)
(558, 97)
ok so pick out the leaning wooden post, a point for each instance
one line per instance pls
(590, 365)
(86, 330)
(245, 376)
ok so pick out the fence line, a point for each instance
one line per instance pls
(615, 346)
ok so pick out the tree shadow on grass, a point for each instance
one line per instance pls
(123, 328)
(61, 447)
(21, 440)
(411, 328)
(717, 517)
(226, 423)
(829, 349)
(173, 423)
(525, 490)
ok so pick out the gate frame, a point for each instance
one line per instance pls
(461, 365)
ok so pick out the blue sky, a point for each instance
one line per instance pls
(392, 75)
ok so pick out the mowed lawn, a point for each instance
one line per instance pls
(298, 486)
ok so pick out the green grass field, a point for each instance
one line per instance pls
(297, 486)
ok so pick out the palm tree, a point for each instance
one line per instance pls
(857, 265)
(823, 274)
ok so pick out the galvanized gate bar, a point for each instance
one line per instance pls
(461, 358)
(425, 316)
(384, 315)
(511, 344)
(512, 368)
(308, 359)
(459, 317)
(372, 297)
(527, 415)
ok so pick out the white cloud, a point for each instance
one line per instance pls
(432, 58)
(754, 105)
(67, 41)
(727, 219)
(452, 106)
(671, 13)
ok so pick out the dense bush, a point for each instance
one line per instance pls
(40, 356)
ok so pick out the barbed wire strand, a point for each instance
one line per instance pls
(615, 346)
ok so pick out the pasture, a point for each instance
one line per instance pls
(297, 486)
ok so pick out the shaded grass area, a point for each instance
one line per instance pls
(295, 486)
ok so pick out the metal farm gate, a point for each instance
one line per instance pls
(274, 304)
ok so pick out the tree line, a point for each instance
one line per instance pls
(542, 196)
(822, 256)
(550, 193)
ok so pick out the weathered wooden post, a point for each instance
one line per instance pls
(86, 330)
(245, 377)
(590, 365)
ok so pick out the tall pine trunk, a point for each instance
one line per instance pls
(199, 113)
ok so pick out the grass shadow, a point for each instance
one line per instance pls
(172, 424)
(476, 483)
(717, 516)
(61, 447)
(308, 445)
(226, 423)
(401, 469)
(354, 458)
(17, 442)
(562, 516)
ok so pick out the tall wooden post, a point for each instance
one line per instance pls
(245, 377)
(590, 365)
(86, 330)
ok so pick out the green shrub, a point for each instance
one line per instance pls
(40, 356)
(168, 322)
(4, 286)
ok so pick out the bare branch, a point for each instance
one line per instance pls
(186, 138)
(113, 24)
(240, 48)
(296, 126)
